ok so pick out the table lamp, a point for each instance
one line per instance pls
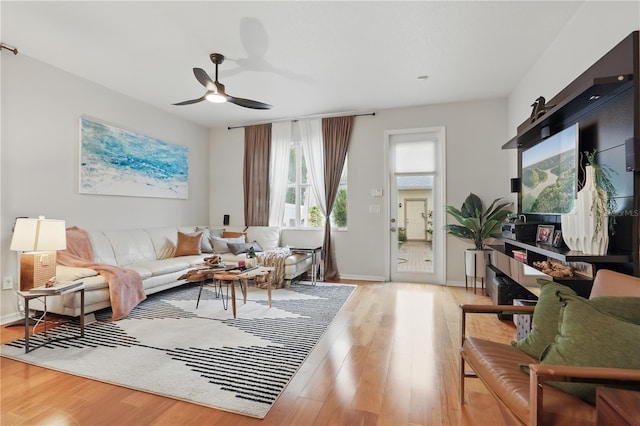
(38, 239)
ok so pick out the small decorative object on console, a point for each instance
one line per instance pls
(554, 269)
(557, 239)
(545, 234)
(251, 257)
(520, 255)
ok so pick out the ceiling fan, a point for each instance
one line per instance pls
(215, 89)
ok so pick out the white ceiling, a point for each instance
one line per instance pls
(304, 58)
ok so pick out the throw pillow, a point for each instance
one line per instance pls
(188, 244)
(626, 308)
(205, 243)
(256, 246)
(232, 234)
(591, 337)
(220, 244)
(544, 326)
(239, 248)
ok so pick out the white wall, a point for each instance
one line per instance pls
(475, 163)
(41, 107)
(595, 29)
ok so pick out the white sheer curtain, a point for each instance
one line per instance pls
(311, 141)
(278, 167)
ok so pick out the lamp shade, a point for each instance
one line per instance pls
(39, 235)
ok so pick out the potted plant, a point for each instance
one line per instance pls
(428, 225)
(477, 224)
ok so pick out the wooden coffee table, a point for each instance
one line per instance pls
(231, 278)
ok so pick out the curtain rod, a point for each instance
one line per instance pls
(293, 120)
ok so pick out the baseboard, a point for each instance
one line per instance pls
(362, 277)
(12, 318)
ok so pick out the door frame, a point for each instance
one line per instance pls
(439, 198)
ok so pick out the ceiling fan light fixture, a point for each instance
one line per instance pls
(215, 98)
(215, 90)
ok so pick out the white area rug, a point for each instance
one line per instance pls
(168, 347)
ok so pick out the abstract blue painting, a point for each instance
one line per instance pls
(118, 162)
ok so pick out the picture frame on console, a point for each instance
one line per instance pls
(557, 239)
(545, 234)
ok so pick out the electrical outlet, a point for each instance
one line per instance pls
(7, 283)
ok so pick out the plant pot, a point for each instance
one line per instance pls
(475, 263)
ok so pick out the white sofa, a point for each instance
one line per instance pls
(150, 252)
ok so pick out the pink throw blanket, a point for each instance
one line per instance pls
(125, 285)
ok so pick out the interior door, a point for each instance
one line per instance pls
(416, 241)
(414, 221)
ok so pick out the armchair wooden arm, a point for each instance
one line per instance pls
(490, 309)
(539, 373)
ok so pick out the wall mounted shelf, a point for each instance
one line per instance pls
(595, 93)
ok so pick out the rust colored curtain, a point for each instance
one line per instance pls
(336, 132)
(257, 143)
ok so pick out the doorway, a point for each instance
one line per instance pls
(416, 188)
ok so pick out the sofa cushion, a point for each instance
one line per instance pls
(188, 244)
(589, 336)
(546, 314)
(220, 244)
(71, 273)
(267, 236)
(165, 240)
(101, 248)
(161, 267)
(131, 246)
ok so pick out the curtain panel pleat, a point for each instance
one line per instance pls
(278, 168)
(336, 132)
(257, 141)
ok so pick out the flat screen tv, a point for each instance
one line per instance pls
(549, 174)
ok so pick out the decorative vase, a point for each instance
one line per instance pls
(580, 229)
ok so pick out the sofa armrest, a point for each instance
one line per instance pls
(539, 373)
(490, 309)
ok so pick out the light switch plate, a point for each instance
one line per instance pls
(7, 283)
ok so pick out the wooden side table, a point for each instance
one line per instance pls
(617, 407)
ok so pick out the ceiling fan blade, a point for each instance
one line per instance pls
(192, 101)
(204, 79)
(248, 103)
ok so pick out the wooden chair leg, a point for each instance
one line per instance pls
(462, 375)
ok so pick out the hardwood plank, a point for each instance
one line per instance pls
(390, 357)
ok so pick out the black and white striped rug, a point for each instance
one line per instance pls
(168, 347)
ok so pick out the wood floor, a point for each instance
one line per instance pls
(389, 358)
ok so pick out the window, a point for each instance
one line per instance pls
(339, 213)
(301, 206)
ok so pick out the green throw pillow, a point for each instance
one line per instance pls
(626, 308)
(544, 327)
(591, 337)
